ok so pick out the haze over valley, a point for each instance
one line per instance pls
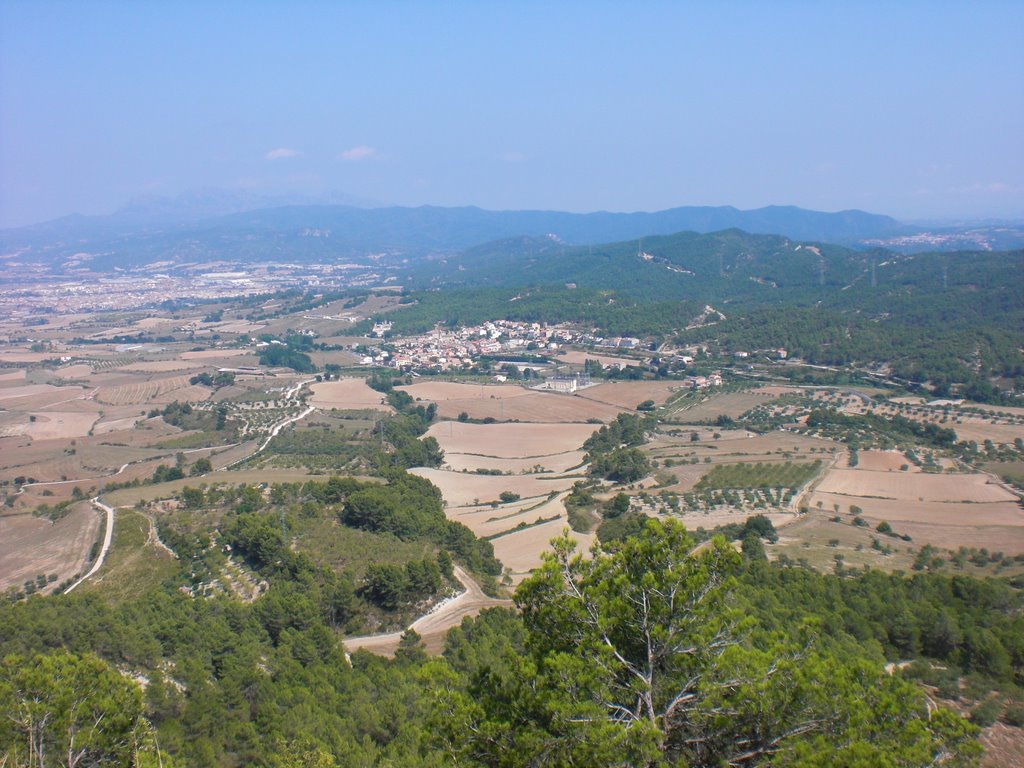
(653, 393)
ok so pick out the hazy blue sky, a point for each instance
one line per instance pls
(915, 109)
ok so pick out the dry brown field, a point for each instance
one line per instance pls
(34, 396)
(488, 521)
(237, 326)
(971, 426)
(214, 354)
(579, 357)
(812, 537)
(106, 425)
(732, 404)
(994, 409)
(347, 394)
(158, 366)
(155, 391)
(921, 486)
(20, 356)
(713, 519)
(57, 425)
(30, 546)
(980, 430)
(945, 510)
(512, 441)
(687, 476)
(76, 371)
(463, 489)
(336, 357)
(127, 497)
(628, 394)
(521, 551)
(884, 461)
(942, 513)
(556, 463)
(192, 393)
(6, 377)
(738, 446)
(148, 323)
(506, 402)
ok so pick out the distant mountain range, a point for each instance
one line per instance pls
(215, 225)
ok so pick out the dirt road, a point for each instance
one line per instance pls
(108, 535)
(433, 626)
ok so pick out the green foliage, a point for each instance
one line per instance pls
(929, 433)
(758, 475)
(410, 507)
(61, 708)
(286, 356)
(632, 658)
(622, 465)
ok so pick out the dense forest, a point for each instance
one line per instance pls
(651, 653)
(944, 318)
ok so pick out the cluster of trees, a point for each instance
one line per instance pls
(184, 416)
(410, 507)
(391, 586)
(896, 427)
(612, 450)
(291, 354)
(638, 657)
(219, 379)
(648, 653)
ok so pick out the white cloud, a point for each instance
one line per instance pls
(362, 152)
(281, 153)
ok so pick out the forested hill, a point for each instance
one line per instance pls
(945, 317)
(729, 267)
(330, 232)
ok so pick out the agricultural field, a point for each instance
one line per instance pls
(347, 394)
(580, 357)
(629, 394)
(947, 510)
(705, 407)
(86, 423)
(534, 456)
(509, 403)
(511, 441)
(46, 553)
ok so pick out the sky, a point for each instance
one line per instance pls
(912, 109)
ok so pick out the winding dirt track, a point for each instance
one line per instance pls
(108, 535)
(433, 626)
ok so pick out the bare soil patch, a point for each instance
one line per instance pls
(930, 512)
(628, 394)
(521, 551)
(207, 354)
(30, 546)
(731, 404)
(143, 392)
(159, 366)
(580, 357)
(884, 461)
(510, 441)
(463, 489)
(509, 403)
(347, 394)
(919, 487)
(555, 463)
